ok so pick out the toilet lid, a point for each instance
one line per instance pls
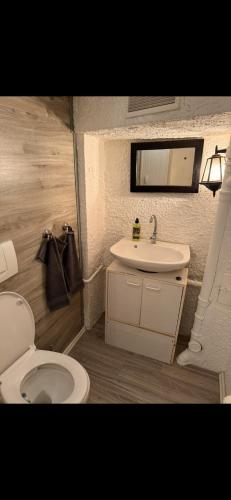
(17, 328)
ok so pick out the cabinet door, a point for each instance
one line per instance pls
(124, 298)
(135, 339)
(160, 306)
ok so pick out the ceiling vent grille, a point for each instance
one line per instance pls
(139, 105)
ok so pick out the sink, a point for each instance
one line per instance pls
(146, 256)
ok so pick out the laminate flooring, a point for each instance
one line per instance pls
(119, 376)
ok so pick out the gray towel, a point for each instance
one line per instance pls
(71, 267)
(50, 253)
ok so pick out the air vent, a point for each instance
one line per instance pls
(139, 105)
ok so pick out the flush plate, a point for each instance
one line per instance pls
(8, 260)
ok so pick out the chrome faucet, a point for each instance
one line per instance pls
(154, 234)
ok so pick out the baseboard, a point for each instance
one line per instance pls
(75, 340)
(222, 386)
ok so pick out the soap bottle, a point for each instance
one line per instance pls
(136, 230)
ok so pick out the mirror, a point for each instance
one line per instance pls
(172, 166)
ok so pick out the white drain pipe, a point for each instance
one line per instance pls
(190, 282)
(94, 274)
(197, 284)
(204, 298)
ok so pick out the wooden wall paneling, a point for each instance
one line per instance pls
(37, 191)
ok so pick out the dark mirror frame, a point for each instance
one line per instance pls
(169, 144)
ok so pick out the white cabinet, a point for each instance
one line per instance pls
(160, 306)
(143, 310)
(131, 338)
(124, 298)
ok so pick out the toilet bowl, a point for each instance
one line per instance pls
(30, 375)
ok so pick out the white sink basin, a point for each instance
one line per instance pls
(153, 257)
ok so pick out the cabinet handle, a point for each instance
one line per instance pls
(152, 288)
(132, 284)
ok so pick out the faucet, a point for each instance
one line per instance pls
(154, 234)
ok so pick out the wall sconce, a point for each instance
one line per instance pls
(214, 171)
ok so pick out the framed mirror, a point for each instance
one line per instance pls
(167, 166)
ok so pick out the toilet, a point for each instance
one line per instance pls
(30, 375)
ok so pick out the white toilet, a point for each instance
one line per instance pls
(29, 375)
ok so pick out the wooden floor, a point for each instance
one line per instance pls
(119, 376)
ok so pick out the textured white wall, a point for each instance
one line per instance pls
(227, 372)
(94, 182)
(212, 325)
(107, 206)
(110, 209)
(182, 218)
(108, 112)
(91, 195)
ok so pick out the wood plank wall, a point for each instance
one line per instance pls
(37, 191)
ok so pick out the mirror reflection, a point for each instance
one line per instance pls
(171, 165)
(165, 167)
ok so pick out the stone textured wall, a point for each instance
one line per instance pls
(215, 332)
(107, 112)
(228, 377)
(182, 218)
(91, 195)
(108, 208)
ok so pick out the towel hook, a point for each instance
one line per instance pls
(67, 228)
(47, 234)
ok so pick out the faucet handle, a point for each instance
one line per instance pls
(151, 218)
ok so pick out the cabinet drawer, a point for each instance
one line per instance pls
(150, 344)
(124, 298)
(160, 306)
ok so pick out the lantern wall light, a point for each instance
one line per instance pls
(214, 171)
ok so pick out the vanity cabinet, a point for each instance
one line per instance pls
(143, 310)
(124, 298)
(160, 306)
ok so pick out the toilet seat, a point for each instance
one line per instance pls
(12, 378)
(61, 378)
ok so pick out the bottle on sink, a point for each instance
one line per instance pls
(136, 230)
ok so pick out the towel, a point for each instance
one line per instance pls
(51, 253)
(71, 266)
